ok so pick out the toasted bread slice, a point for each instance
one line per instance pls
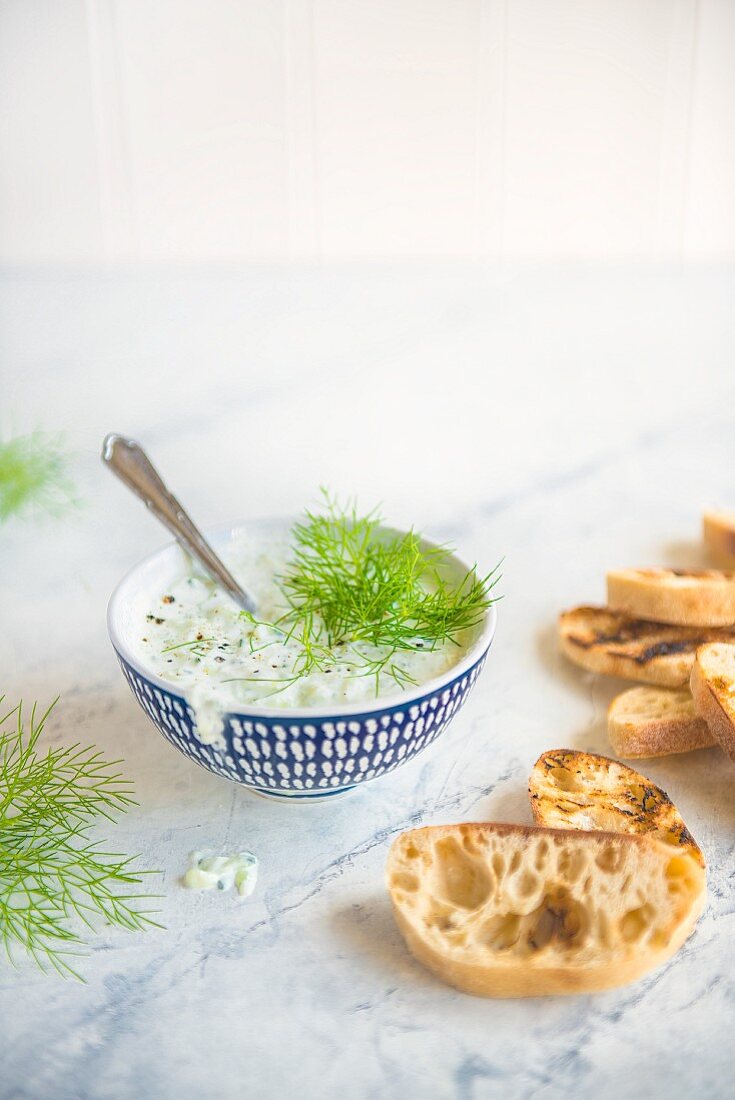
(513, 911)
(682, 597)
(719, 537)
(619, 645)
(713, 690)
(581, 790)
(650, 721)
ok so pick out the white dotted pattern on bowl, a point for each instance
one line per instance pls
(306, 755)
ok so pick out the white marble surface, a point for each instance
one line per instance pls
(567, 420)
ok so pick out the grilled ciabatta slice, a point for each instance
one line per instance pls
(513, 911)
(616, 644)
(713, 691)
(656, 721)
(581, 790)
(719, 537)
(682, 597)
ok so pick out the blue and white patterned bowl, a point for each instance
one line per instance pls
(304, 754)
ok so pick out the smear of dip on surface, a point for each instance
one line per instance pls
(193, 635)
(211, 872)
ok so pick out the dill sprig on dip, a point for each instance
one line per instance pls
(51, 870)
(34, 474)
(342, 602)
(352, 583)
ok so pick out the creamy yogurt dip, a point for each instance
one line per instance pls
(193, 635)
(207, 871)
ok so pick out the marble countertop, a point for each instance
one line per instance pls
(565, 420)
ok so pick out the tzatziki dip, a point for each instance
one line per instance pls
(208, 871)
(193, 635)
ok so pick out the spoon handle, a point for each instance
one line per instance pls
(131, 464)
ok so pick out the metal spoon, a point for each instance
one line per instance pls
(131, 464)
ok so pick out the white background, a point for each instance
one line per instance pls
(274, 129)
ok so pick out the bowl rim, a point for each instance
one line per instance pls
(396, 701)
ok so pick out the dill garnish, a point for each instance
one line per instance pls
(351, 582)
(356, 592)
(355, 598)
(51, 870)
(34, 474)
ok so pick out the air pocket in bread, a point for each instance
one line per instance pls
(511, 911)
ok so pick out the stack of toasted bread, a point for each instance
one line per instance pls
(673, 629)
(608, 885)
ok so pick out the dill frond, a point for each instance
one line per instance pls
(53, 874)
(34, 475)
(350, 582)
(357, 596)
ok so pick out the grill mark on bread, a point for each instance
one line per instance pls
(664, 649)
(570, 789)
(708, 574)
(717, 574)
(658, 649)
(672, 640)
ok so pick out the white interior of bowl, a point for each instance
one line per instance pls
(139, 588)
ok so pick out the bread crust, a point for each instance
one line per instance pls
(712, 685)
(569, 924)
(682, 597)
(616, 644)
(719, 537)
(646, 722)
